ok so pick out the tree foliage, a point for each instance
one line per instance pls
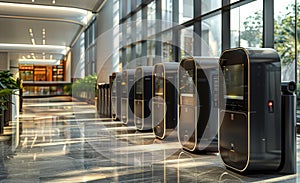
(284, 33)
(253, 28)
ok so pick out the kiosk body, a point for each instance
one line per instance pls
(165, 101)
(116, 96)
(250, 134)
(142, 96)
(106, 100)
(198, 104)
(100, 99)
(127, 96)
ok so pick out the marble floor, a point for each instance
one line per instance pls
(63, 140)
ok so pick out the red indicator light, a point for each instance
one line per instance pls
(270, 104)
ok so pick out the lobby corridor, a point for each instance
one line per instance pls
(63, 140)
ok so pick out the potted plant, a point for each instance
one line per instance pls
(4, 99)
(7, 79)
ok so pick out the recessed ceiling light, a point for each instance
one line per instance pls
(53, 1)
(30, 30)
(44, 41)
(39, 61)
(33, 41)
(32, 54)
(28, 56)
(33, 1)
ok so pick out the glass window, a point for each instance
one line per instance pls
(285, 37)
(246, 25)
(233, 1)
(150, 52)
(209, 5)
(167, 10)
(128, 31)
(211, 36)
(128, 55)
(186, 10)
(128, 6)
(151, 18)
(138, 3)
(186, 41)
(167, 48)
(138, 49)
(139, 25)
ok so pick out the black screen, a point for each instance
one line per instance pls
(234, 78)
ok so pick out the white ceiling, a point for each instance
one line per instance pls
(62, 22)
(90, 5)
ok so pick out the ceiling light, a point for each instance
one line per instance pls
(33, 41)
(28, 56)
(23, 57)
(32, 54)
(32, 1)
(40, 12)
(44, 41)
(51, 57)
(30, 30)
(39, 61)
(35, 48)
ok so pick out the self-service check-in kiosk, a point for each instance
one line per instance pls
(106, 100)
(198, 104)
(165, 99)
(100, 99)
(254, 135)
(116, 96)
(128, 97)
(142, 96)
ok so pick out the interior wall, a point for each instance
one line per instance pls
(14, 64)
(4, 61)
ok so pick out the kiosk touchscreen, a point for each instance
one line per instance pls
(116, 96)
(142, 97)
(198, 104)
(127, 96)
(165, 105)
(250, 134)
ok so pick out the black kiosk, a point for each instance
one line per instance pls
(127, 101)
(106, 100)
(142, 96)
(165, 105)
(100, 99)
(198, 104)
(252, 135)
(116, 96)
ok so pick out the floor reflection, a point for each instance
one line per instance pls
(63, 140)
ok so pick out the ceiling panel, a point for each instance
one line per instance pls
(62, 25)
(83, 4)
(16, 31)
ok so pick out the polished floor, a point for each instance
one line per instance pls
(63, 140)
